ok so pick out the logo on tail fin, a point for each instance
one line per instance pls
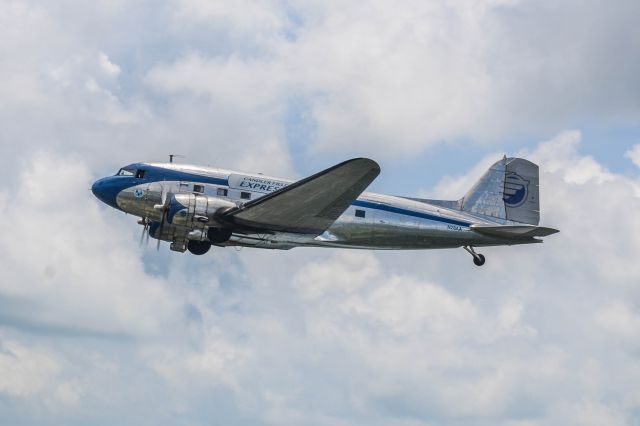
(516, 189)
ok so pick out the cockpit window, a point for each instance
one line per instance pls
(140, 173)
(125, 172)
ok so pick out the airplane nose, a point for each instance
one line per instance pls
(95, 188)
(105, 191)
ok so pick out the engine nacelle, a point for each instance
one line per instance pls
(190, 209)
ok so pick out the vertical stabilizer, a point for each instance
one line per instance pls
(509, 190)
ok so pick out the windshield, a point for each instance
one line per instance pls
(125, 172)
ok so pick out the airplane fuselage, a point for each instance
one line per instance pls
(372, 221)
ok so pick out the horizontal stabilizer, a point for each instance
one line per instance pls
(513, 231)
(310, 205)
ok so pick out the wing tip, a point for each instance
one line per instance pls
(371, 164)
(552, 231)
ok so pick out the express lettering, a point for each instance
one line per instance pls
(258, 186)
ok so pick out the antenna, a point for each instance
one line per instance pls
(172, 156)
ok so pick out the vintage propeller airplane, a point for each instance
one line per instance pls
(196, 207)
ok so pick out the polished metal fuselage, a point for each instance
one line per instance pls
(389, 222)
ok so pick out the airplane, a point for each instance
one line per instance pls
(195, 207)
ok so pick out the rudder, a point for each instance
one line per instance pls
(522, 191)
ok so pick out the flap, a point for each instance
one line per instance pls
(310, 205)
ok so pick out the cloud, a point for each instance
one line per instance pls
(415, 74)
(248, 18)
(540, 334)
(69, 268)
(84, 90)
(107, 66)
(24, 371)
(211, 82)
(634, 155)
(531, 337)
(95, 329)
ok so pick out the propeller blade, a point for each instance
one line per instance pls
(161, 228)
(145, 226)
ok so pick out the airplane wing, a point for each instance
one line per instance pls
(310, 205)
(514, 231)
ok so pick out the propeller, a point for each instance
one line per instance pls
(145, 230)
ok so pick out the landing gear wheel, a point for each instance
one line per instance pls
(479, 260)
(198, 247)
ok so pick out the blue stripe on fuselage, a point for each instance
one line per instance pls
(406, 212)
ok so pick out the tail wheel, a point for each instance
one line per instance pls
(198, 247)
(479, 259)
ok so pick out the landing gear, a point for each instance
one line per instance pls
(478, 259)
(198, 247)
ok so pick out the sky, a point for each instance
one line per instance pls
(95, 329)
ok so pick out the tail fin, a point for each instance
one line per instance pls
(508, 190)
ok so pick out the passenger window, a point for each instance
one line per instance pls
(360, 213)
(245, 195)
(140, 174)
(222, 192)
(198, 188)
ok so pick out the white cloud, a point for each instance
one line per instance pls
(368, 76)
(352, 272)
(528, 337)
(58, 267)
(236, 82)
(406, 306)
(246, 17)
(634, 155)
(539, 334)
(216, 361)
(107, 66)
(412, 74)
(25, 371)
(619, 318)
(92, 326)
(67, 394)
